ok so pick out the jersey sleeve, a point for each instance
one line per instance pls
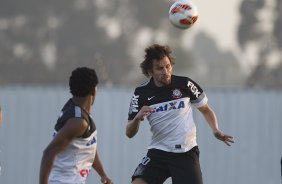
(135, 105)
(198, 96)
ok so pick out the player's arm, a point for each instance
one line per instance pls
(73, 128)
(210, 117)
(98, 166)
(132, 126)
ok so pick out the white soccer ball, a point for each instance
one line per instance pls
(183, 14)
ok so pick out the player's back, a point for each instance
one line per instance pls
(73, 164)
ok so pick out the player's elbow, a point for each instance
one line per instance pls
(129, 134)
(49, 154)
(131, 129)
(46, 152)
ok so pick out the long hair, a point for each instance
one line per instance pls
(155, 52)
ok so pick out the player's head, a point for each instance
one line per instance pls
(83, 82)
(158, 64)
(155, 52)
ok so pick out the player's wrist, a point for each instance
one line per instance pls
(217, 132)
(138, 119)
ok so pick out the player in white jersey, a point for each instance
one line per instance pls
(166, 100)
(72, 153)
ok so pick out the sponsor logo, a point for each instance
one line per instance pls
(170, 106)
(145, 160)
(134, 104)
(91, 142)
(194, 89)
(176, 93)
(84, 172)
(178, 146)
(150, 98)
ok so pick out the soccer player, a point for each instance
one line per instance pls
(166, 100)
(73, 151)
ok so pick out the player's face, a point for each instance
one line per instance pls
(161, 71)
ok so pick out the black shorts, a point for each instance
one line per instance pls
(159, 165)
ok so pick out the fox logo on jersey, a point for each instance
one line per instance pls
(134, 104)
(194, 89)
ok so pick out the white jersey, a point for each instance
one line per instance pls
(73, 165)
(172, 123)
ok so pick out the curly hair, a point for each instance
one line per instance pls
(155, 52)
(82, 81)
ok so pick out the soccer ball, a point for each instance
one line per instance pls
(183, 14)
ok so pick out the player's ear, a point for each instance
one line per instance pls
(93, 93)
(150, 69)
(150, 72)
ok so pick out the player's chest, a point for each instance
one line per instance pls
(162, 95)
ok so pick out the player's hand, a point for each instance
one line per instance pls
(144, 111)
(227, 139)
(106, 180)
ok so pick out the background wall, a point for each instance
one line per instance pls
(252, 117)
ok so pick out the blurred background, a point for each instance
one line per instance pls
(233, 51)
(234, 44)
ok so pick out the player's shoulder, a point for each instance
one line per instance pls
(181, 80)
(71, 110)
(143, 85)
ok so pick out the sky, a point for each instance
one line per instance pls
(221, 19)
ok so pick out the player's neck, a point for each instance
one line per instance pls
(83, 102)
(161, 84)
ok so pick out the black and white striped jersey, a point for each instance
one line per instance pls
(172, 121)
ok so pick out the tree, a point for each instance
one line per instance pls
(260, 29)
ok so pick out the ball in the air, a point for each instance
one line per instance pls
(183, 14)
